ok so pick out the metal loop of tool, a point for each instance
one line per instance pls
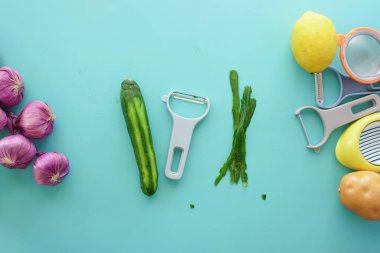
(182, 131)
(347, 87)
(338, 116)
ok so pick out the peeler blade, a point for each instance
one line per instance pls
(318, 81)
(190, 98)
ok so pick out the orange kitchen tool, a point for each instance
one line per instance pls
(360, 54)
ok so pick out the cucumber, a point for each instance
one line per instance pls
(136, 118)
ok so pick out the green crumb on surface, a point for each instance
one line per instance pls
(192, 206)
(264, 196)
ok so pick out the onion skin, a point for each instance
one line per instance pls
(11, 87)
(16, 151)
(3, 119)
(50, 169)
(11, 122)
(36, 120)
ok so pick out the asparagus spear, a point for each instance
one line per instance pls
(234, 81)
(242, 113)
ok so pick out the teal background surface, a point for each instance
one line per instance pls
(74, 54)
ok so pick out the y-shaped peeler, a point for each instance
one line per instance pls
(182, 131)
(338, 116)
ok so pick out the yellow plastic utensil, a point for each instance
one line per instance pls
(359, 146)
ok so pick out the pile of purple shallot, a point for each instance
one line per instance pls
(35, 121)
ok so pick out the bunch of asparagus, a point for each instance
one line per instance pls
(242, 113)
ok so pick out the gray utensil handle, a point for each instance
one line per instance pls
(341, 115)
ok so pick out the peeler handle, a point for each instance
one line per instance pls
(180, 139)
(344, 114)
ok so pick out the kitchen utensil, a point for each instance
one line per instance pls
(182, 131)
(348, 87)
(360, 54)
(360, 57)
(338, 116)
(359, 146)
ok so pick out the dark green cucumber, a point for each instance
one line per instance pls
(133, 106)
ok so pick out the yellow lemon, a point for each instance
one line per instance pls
(314, 42)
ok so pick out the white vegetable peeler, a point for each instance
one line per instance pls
(182, 131)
